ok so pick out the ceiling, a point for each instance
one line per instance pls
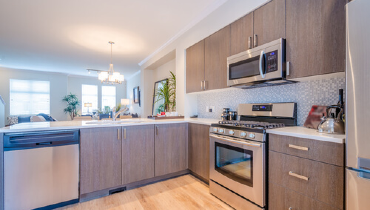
(70, 36)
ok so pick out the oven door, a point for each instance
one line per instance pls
(239, 166)
(256, 65)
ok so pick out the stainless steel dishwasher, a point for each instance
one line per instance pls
(41, 169)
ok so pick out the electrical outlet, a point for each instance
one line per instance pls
(212, 109)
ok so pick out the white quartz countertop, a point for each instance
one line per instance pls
(303, 132)
(60, 125)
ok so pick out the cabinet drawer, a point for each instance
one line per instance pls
(281, 198)
(327, 152)
(320, 181)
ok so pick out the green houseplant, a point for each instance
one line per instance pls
(167, 94)
(72, 105)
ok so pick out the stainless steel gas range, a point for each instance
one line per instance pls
(238, 156)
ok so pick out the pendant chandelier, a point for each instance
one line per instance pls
(109, 77)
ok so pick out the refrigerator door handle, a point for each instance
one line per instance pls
(362, 173)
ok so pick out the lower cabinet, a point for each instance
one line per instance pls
(171, 154)
(101, 158)
(199, 150)
(137, 153)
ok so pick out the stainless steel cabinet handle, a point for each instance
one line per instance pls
(201, 85)
(250, 42)
(204, 85)
(118, 133)
(298, 147)
(255, 42)
(291, 173)
(156, 130)
(287, 68)
(124, 133)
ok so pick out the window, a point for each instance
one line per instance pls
(108, 96)
(89, 96)
(29, 97)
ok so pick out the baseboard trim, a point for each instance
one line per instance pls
(105, 192)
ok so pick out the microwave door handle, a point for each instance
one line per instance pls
(261, 62)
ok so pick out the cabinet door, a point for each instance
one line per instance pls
(199, 150)
(269, 22)
(171, 148)
(100, 159)
(241, 33)
(195, 67)
(217, 49)
(137, 153)
(315, 37)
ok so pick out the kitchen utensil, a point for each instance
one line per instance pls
(330, 123)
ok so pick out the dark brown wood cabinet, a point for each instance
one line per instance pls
(269, 22)
(217, 49)
(241, 37)
(171, 148)
(315, 37)
(137, 153)
(199, 150)
(101, 159)
(305, 173)
(195, 67)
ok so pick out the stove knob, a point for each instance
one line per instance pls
(221, 130)
(231, 132)
(243, 134)
(252, 135)
(214, 129)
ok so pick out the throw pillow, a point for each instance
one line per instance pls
(47, 117)
(37, 119)
(24, 119)
(12, 120)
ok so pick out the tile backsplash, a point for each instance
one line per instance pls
(305, 94)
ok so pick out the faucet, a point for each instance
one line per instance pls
(115, 115)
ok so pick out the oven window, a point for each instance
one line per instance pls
(245, 68)
(235, 163)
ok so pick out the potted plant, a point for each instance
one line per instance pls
(167, 94)
(72, 105)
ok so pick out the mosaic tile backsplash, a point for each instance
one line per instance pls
(305, 94)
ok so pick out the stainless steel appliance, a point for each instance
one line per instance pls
(263, 65)
(238, 153)
(357, 106)
(41, 169)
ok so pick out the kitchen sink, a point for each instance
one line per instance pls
(103, 122)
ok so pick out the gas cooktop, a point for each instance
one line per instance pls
(252, 124)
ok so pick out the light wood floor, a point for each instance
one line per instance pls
(185, 192)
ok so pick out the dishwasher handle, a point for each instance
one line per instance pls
(30, 140)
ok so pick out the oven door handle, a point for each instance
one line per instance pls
(261, 62)
(234, 141)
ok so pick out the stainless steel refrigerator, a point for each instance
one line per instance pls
(358, 105)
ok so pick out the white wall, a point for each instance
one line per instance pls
(134, 81)
(58, 88)
(221, 17)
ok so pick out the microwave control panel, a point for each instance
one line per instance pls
(272, 61)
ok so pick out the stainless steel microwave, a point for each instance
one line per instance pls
(261, 65)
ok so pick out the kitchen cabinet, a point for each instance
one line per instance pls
(315, 37)
(199, 150)
(305, 171)
(269, 22)
(171, 148)
(137, 153)
(241, 38)
(217, 49)
(101, 158)
(195, 67)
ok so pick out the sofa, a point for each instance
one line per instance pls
(16, 119)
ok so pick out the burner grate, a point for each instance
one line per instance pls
(252, 124)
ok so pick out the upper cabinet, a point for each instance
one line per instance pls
(241, 34)
(195, 67)
(269, 22)
(217, 49)
(315, 34)
(315, 41)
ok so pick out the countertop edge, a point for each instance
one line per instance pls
(340, 139)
